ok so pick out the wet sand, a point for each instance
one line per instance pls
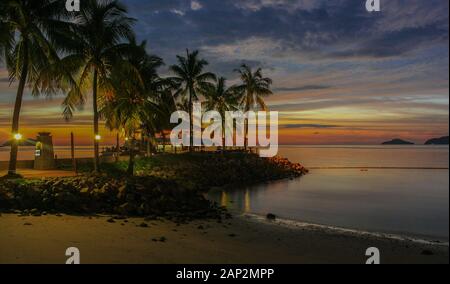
(241, 240)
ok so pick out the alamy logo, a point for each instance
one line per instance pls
(74, 255)
(373, 6)
(374, 255)
(73, 5)
(229, 132)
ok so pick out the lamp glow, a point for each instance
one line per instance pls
(18, 136)
(98, 137)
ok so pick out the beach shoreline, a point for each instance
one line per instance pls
(299, 224)
(240, 240)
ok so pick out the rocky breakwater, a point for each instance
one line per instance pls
(202, 171)
(101, 194)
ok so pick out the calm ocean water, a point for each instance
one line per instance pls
(413, 201)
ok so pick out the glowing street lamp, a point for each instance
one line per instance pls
(17, 136)
(98, 137)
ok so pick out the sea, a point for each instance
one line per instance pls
(397, 190)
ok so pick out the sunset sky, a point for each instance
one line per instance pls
(341, 75)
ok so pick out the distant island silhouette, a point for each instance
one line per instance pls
(397, 142)
(438, 141)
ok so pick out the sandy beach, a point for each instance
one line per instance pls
(241, 240)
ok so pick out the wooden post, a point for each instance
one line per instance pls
(72, 151)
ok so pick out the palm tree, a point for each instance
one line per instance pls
(151, 85)
(5, 31)
(160, 120)
(132, 88)
(252, 91)
(190, 80)
(221, 99)
(28, 30)
(95, 45)
(125, 111)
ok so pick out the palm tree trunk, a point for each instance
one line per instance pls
(16, 115)
(223, 136)
(130, 170)
(247, 108)
(245, 135)
(148, 147)
(163, 136)
(191, 123)
(96, 143)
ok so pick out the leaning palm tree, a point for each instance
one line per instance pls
(190, 79)
(95, 44)
(252, 91)
(221, 99)
(28, 30)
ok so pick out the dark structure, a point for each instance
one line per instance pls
(44, 156)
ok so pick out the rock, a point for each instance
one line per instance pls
(163, 239)
(143, 225)
(27, 224)
(84, 190)
(271, 217)
(110, 220)
(35, 212)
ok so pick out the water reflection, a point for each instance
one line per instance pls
(394, 201)
(234, 200)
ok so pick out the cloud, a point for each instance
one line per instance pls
(290, 5)
(296, 126)
(301, 88)
(195, 5)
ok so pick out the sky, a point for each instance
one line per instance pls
(341, 75)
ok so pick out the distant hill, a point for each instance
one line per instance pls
(438, 141)
(27, 142)
(397, 142)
